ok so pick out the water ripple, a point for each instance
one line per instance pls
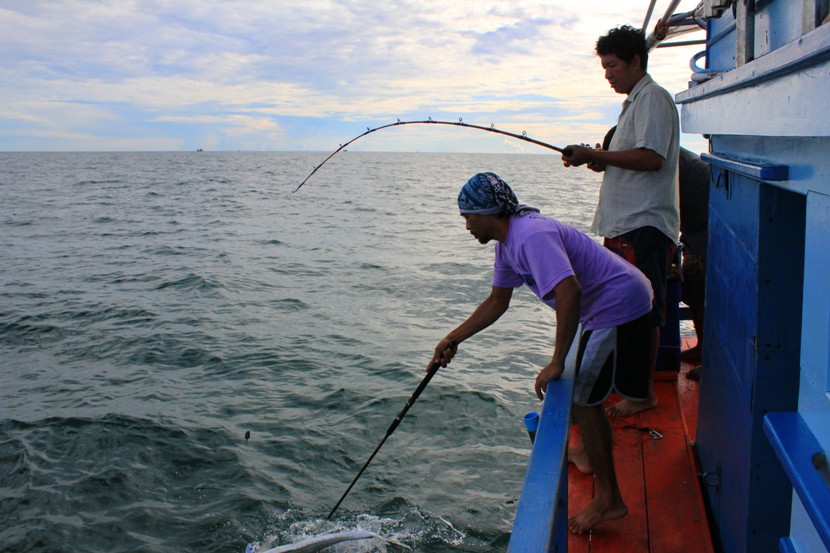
(159, 308)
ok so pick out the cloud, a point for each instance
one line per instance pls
(290, 74)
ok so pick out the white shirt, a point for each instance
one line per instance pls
(628, 199)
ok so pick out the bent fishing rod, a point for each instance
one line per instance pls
(432, 370)
(430, 121)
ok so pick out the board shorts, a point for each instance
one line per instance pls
(615, 359)
(652, 252)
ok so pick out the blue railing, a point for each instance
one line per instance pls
(805, 462)
(542, 514)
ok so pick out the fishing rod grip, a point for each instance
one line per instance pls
(568, 152)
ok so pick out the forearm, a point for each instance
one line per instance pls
(490, 310)
(638, 159)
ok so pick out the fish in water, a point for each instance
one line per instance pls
(319, 543)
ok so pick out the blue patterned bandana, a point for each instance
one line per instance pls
(487, 194)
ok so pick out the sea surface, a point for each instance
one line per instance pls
(157, 308)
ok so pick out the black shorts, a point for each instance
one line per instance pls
(652, 252)
(613, 360)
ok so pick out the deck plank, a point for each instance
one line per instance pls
(658, 478)
(677, 520)
(630, 533)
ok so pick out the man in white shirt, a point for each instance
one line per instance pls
(638, 210)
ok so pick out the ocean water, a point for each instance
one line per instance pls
(157, 307)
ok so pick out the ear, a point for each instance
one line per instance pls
(635, 62)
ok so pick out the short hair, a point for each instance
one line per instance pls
(624, 42)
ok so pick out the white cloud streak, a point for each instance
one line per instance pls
(288, 75)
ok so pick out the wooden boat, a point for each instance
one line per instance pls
(753, 457)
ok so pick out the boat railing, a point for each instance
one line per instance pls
(806, 465)
(542, 514)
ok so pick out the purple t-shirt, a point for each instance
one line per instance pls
(541, 252)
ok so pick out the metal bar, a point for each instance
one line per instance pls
(745, 39)
(648, 14)
(651, 38)
(683, 43)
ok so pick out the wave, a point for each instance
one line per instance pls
(208, 301)
(118, 483)
(191, 282)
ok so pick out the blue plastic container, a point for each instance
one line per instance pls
(532, 423)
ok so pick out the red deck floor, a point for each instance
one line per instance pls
(658, 478)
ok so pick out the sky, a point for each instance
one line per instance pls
(274, 75)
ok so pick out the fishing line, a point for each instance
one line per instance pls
(432, 370)
(460, 123)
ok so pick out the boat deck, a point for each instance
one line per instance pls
(658, 478)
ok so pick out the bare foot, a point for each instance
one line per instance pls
(595, 512)
(628, 407)
(579, 458)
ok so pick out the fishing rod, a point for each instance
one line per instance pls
(432, 370)
(460, 123)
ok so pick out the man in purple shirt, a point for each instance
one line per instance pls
(584, 283)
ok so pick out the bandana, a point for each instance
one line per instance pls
(487, 194)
